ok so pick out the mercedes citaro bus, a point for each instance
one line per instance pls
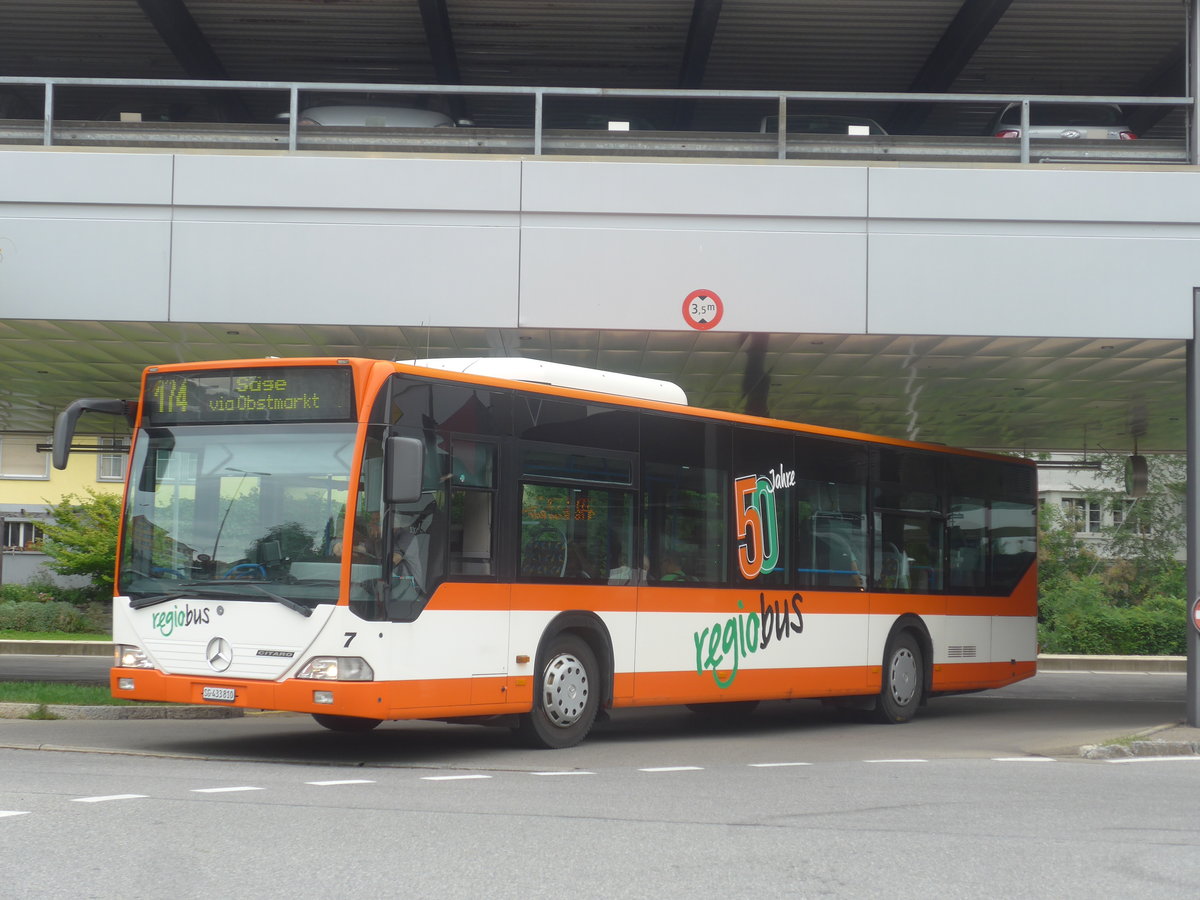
(510, 541)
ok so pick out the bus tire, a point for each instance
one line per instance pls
(348, 724)
(566, 694)
(903, 680)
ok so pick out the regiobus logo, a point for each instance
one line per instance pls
(758, 520)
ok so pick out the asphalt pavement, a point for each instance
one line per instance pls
(1126, 715)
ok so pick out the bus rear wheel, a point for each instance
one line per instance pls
(903, 680)
(349, 724)
(566, 695)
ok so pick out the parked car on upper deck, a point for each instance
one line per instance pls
(374, 116)
(819, 123)
(1077, 121)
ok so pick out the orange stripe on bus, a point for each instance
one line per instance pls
(968, 676)
(485, 596)
(499, 694)
(662, 688)
(552, 598)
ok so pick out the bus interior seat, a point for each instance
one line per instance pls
(545, 554)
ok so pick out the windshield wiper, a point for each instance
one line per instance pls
(206, 588)
(279, 598)
(155, 599)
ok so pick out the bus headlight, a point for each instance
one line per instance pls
(127, 656)
(337, 668)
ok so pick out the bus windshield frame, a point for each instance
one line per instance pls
(255, 512)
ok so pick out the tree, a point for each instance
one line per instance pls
(1149, 531)
(82, 539)
(1130, 597)
(1061, 554)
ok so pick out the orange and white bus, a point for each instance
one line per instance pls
(532, 544)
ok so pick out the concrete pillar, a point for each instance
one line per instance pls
(1193, 514)
(1193, 78)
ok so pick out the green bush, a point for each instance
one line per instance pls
(81, 539)
(50, 615)
(1077, 617)
(24, 593)
(43, 590)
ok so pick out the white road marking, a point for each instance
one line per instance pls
(452, 777)
(224, 790)
(776, 765)
(674, 769)
(1152, 759)
(342, 781)
(106, 799)
(12, 812)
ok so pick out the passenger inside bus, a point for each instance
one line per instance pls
(671, 568)
(577, 562)
(624, 573)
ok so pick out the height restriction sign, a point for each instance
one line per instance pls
(703, 310)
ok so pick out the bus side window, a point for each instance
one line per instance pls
(471, 533)
(910, 528)
(686, 495)
(830, 498)
(968, 544)
(472, 507)
(573, 533)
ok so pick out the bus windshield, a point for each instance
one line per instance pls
(249, 511)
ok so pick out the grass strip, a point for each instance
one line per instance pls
(58, 694)
(51, 636)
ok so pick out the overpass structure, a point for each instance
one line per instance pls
(901, 287)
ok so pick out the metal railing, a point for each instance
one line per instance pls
(538, 95)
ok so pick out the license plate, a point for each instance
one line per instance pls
(227, 695)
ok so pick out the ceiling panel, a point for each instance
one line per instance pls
(1027, 393)
(1013, 392)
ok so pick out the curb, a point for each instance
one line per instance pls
(1141, 749)
(58, 648)
(60, 711)
(1061, 662)
(1143, 745)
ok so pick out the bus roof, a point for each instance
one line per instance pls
(536, 371)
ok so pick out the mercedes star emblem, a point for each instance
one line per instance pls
(219, 654)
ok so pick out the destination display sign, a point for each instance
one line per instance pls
(275, 394)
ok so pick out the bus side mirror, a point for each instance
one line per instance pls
(64, 424)
(404, 469)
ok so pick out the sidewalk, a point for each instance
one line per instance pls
(58, 648)
(1167, 741)
(1049, 662)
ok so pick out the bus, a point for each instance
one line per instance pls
(529, 544)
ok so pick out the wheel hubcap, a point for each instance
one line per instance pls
(564, 690)
(903, 676)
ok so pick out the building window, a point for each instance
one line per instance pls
(1084, 514)
(111, 466)
(21, 535)
(20, 458)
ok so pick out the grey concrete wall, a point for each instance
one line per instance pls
(508, 242)
(26, 566)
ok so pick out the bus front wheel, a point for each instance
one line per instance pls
(349, 724)
(566, 694)
(903, 680)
